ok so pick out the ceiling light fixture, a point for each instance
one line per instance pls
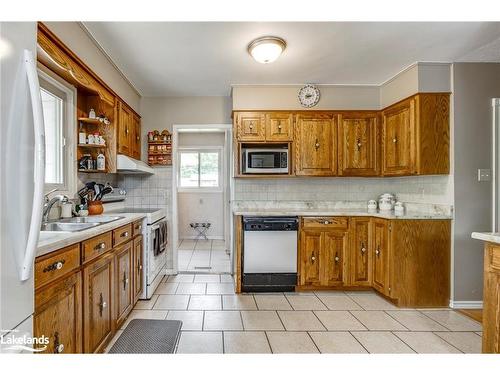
(266, 49)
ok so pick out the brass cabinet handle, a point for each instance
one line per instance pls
(316, 144)
(363, 248)
(100, 246)
(55, 266)
(313, 258)
(125, 280)
(251, 125)
(358, 143)
(139, 266)
(377, 251)
(326, 222)
(102, 304)
(394, 140)
(124, 234)
(126, 130)
(138, 138)
(58, 347)
(337, 258)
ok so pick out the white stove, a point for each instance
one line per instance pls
(154, 264)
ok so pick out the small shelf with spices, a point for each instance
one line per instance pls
(160, 148)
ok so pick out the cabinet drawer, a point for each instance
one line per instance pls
(136, 228)
(52, 266)
(122, 234)
(325, 222)
(96, 246)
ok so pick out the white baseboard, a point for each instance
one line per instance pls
(466, 305)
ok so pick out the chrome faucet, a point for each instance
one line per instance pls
(49, 203)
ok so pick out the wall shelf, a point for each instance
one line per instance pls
(91, 145)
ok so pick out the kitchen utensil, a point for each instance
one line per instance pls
(107, 189)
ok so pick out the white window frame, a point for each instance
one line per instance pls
(204, 189)
(68, 186)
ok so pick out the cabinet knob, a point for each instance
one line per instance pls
(326, 222)
(377, 251)
(336, 259)
(363, 250)
(124, 234)
(138, 138)
(60, 348)
(313, 258)
(126, 131)
(100, 246)
(358, 144)
(316, 144)
(394, 140)
(251, 125)
(55, 266)
(104, 305)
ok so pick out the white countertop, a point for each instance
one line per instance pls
(486, 236)
(51, 241)
(383, 215)
(256, 208)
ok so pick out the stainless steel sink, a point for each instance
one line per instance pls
(91, 219)
(66, 227)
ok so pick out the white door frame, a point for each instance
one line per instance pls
(228, 184)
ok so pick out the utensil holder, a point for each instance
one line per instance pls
(95, 207)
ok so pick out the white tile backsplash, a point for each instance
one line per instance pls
(420, 189)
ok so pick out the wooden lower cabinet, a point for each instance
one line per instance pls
(123, 282)
(98, 309)
(491, 299)
(322, 257)
(381, 255)
(310, 250)
(58, 315)
(407, 261)
(361, 251)
(137, 266)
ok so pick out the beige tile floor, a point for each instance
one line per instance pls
(215, 320)
(203, 256)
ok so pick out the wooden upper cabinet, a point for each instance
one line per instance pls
(360, 251)
(358, 144)
(250, 126)
(334, 257)
(398, 142)
(125, 125)
(416, 136)
(315, 145)
(98, 315)
(279, 127)
(381, 255)
(310, 250)
(58, 315)
(136, 137)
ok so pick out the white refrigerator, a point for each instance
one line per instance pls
(22, 177)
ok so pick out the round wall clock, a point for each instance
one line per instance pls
(309, 96)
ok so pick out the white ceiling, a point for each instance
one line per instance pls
(206, 58)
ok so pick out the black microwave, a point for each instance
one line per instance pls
(264, 161)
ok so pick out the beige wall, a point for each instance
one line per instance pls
(72, 34)
(285, 97)
(474, 85)
(420, 77)
(164, 112)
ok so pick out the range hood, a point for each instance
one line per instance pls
(127, 165)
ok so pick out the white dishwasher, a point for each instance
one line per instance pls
(269, 254)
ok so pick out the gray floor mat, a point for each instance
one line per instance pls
(148, 336)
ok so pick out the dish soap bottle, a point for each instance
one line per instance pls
(101, 162)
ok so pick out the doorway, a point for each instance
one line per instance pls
(202, 240)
